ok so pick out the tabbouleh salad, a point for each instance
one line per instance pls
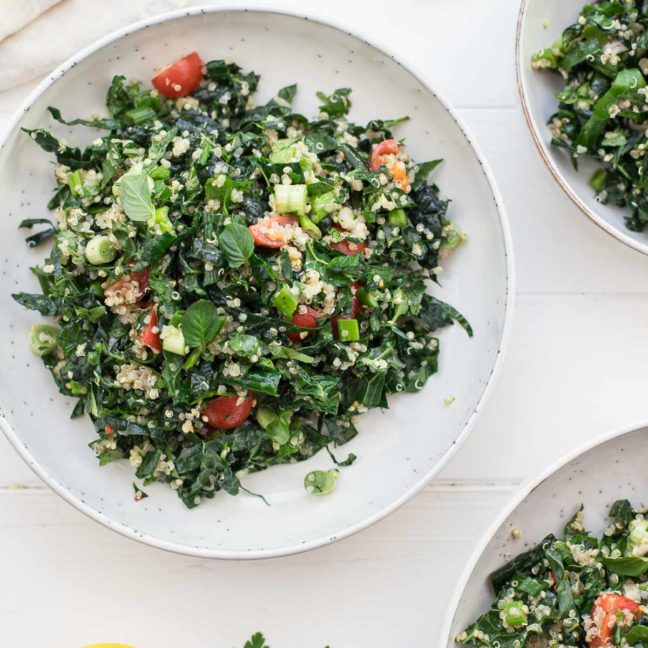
(578, 590)
(233, 284)
(603, 109)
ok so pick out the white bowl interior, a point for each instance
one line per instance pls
(609, 471)
(542, 23)
(397, 449)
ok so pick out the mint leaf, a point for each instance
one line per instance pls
(236, 244)
(135, 197)
(201, 323)
(626, 565)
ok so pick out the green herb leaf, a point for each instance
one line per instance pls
(135, 197)
(256, 641)
(201, 324)
(637, 634)
(236, 244)
(626, 565)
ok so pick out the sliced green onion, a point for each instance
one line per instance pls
(265, 416)
(348, 330)
(42, 339)
(367, 298)
(173, 340)
(160, 222)
(322, 206)
(638, 532)
(283, 155)
(398, 218)
(513, 614)
(305, 164)
(309, 227)
(597, 181)
(399, 302)
(282, 143)
(453, 236)
(75, 182)
(140, 115)
(321, 482)
(100, 250)
(285, 301)
(290, 199)
(160, 173)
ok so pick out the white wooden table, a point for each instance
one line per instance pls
(577, 366)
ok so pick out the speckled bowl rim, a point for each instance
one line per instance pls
(537, 137)
(509, 296)
(518, 498)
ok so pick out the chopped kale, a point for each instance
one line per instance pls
(234, 283)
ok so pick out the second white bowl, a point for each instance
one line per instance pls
(541, 22)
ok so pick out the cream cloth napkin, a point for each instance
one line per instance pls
(39, 45)
(17, 13)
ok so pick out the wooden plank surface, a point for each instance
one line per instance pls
(575, 368)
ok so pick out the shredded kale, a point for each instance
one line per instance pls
(577, 590)
(234, 283)
(603, 106)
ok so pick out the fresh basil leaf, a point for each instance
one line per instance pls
(236, 244)
(201, 324)
(626, 565)
(637, 634)
(135, 197)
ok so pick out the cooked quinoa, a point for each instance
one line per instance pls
(232, 284)
(577, 590)
(603, 107)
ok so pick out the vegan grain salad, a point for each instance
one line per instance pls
(603, 107)
(578, 590)
(233, 284)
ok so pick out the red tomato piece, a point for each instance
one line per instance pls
(346, 246)
(150, 336)
(180, 78)
(610, 603)
(386, 147)
(228, 412)
(266, 233)
(108, 429)
(396, 168)
(307, 319)
(136, 284)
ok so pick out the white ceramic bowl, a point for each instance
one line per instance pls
(398, 450)
(610, 468)
(541, 22)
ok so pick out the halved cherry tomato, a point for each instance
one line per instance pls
(398, 171)
(108, 429)
(228, 412)
(397, 168)
(264, 233)
(307, 319)
(141, 278)
(180, 78)
(346, 246)
(150, 336)
(386, 147)
(610, 603)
